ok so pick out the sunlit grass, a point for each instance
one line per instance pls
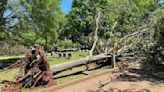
(27, 90)
(7, 75)
(9, 57)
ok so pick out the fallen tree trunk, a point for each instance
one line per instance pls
(82, 61)
(75, 63)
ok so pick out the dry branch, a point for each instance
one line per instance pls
(95, 34)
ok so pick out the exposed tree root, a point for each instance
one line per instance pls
(35, 71)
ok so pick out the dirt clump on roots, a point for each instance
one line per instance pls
(34, 71)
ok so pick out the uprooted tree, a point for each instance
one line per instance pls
(34, 71)
(119, 47)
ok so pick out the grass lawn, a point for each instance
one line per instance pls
(9, 57)
(7, 75)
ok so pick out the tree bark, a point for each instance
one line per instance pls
(95, 34)
(75, 63)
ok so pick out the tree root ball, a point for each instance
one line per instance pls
(34, 71)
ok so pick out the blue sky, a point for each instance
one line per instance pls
(66, 5)
(162, 0)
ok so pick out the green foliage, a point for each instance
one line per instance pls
(66, 43)
(10, 11)
(159, 35)
(81, 19)
(127, 15)
(26, 22)
(45, 19)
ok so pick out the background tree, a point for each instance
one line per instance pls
(118, 19)
(45, 19)
(25, 22)
(81, 20)
(10, 12)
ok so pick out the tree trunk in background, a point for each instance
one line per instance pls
(46, 43)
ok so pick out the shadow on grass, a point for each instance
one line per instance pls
(78, 72)
(7, 62)
(63, 76)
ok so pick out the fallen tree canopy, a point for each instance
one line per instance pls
(89, 59)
